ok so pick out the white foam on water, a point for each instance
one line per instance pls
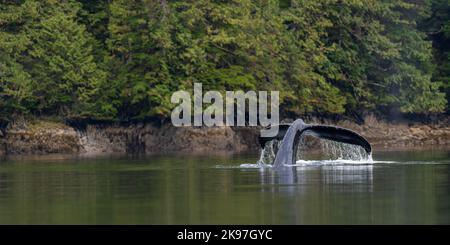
(335, 154)
(312, 163)
(257, 165)
(331, 162)
(244, 165)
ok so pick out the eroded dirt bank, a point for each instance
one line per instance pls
(43, 137)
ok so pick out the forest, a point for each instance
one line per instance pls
(122, 59)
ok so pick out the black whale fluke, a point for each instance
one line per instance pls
(290, 134)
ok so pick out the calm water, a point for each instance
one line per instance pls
(399, 188)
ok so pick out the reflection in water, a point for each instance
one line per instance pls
(360, 177)
(295, 178)
(181, 190)
(312, 194)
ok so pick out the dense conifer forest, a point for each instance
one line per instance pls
(122, 59)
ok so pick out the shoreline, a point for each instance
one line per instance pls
(44, 137)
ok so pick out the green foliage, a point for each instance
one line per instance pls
(64, 71)
(48, 62)
(14, 81)
(123, 59)
(381, 60)
(437, 26)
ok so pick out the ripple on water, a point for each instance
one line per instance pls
(336, 162)
(305, 163)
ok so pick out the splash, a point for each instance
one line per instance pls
(269, 152)
(342, 151)
(331, 152)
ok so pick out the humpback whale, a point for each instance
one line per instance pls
(290, 134)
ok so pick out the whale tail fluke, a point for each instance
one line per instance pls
(328, 132)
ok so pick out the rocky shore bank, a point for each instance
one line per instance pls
(43, 137)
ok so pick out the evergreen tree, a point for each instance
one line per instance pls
(437, 26)
(15, 90)
(140, 46)
(307, 59)
(118, 59)
(48, 58)
(381, 60)
(64, 71)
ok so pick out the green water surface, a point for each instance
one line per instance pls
(399, 188)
